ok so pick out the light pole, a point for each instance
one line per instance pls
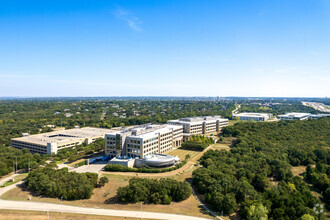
(16, 164)
(61, 204)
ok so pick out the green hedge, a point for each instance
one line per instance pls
(121, 168)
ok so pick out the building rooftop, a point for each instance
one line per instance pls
(295, 114)
(65, 136)
(147, 130)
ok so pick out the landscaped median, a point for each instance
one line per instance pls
(121, 168)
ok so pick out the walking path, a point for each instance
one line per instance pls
(4, 180)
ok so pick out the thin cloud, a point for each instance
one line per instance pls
(132, 21)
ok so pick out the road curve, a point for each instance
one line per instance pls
(40, 206)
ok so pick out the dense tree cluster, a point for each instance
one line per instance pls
(59, 183)
(255, 176)
(122, 168)
(197, 143)
(8, 157)
(162, 191)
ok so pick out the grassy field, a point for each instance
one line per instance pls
(32, 215)
(182, 153)
(105, 197)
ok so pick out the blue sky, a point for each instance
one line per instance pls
(165, 48)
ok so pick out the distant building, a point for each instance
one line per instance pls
(294, 116)
(247, 116)
(144, 140)
(52, 142)
(200, 125)
(317, 116)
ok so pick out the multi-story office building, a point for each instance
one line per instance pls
(247, 116)
(52, 142)
(143, 140)
(200, 125)
(294, 116)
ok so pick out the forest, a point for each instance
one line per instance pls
(162, 191)
(255, 176)
(60, 183)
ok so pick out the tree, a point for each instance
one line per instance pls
(243, 191)
(103, 180)
(307, 217)
(257, 212)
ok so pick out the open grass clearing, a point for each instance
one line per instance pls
(181, 153)
(105, 197)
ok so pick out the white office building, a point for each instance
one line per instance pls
(247, 116)
(144, 140)
(52, 142)
(294, 116)
(200, 125)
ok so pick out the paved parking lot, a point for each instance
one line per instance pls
(91, 168)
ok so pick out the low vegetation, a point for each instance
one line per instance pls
(60, 183)
(255, 176)
(122, 168)
(197, 143)
(162, 191)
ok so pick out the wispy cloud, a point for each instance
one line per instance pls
(286, 70)
(133, 21)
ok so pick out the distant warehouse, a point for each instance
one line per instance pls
(301, 116)
(200, 125)
(247, 116)
(52, 142)
(294, 116)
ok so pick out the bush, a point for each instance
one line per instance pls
(103, 180)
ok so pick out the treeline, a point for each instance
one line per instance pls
(319, 177)
(58, 183)
(256, 173)
(9, 155)
(162, 191)
(122, 168)
(197, 143)
(277, 109)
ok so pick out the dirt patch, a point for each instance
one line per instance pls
(298, 170)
